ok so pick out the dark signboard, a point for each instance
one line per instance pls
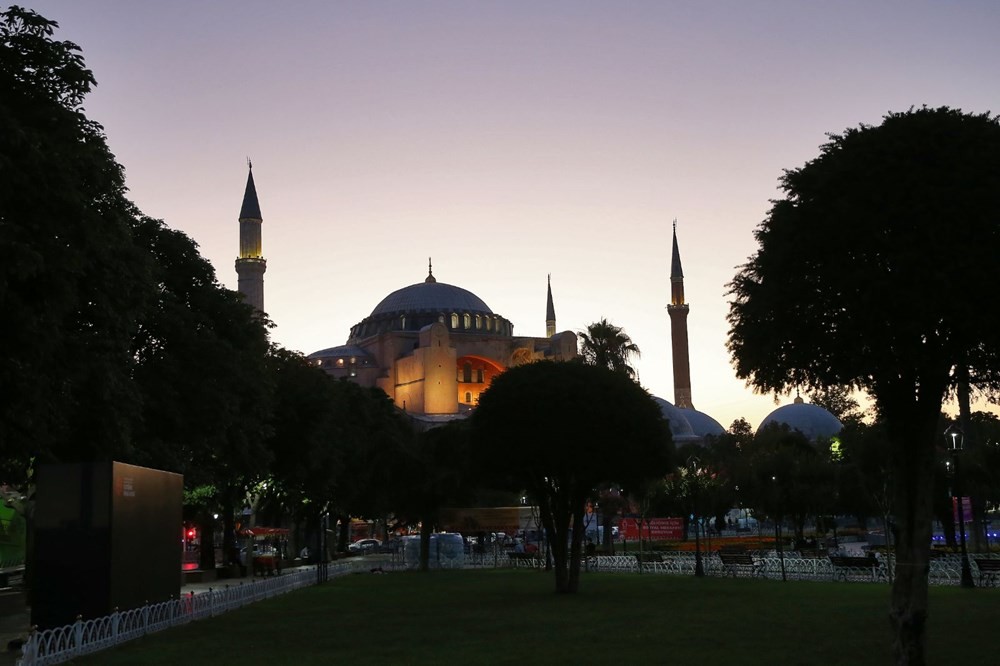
(107, 536)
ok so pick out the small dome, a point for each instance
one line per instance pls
(679, 426)
(811, 420)
(431, 296)
(701, 423)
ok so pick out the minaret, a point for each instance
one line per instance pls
(550, 313)
(250, 265)
(678, 311)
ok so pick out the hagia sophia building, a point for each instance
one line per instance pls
(435, 347)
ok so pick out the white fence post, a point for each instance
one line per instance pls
(77, 635)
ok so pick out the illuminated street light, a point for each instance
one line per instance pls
(955, 439)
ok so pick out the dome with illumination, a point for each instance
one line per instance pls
(430, 297)
(418, 305)
(811, 420)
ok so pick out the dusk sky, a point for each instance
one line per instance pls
(507, 141)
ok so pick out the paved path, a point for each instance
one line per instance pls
(15, 616)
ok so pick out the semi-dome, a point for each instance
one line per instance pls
(431, 297)
(680, 429)
(345, 357)
(811, 420)
(341, 351)
(701, 423)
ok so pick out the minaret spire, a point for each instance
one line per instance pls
(430, 271)
(550, 312)
(250, 265)
(678, 311)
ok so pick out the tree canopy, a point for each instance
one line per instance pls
(874, 271)
(609, 346)
(561, 430)
(72, 283)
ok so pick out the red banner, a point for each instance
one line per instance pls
(655, 529)
(966, 509)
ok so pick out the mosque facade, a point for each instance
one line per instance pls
(433, 347)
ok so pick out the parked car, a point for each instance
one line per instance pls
(364, 545)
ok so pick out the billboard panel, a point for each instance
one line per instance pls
(657, 529)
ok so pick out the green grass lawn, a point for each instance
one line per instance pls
(514, 617)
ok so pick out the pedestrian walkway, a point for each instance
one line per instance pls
(15, 616)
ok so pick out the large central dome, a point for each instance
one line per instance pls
(428, 302)
(431, 296)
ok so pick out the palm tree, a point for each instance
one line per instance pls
(608, 346)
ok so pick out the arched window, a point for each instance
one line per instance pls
(454, 320)
(479, 375)
(479, 322)
(467, 320)
(468, 398)
(489, 324)
(467, 372)
(402, 322)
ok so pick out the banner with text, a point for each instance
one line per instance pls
(966, 509)
(656, 529)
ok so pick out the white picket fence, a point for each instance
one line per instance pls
(54, 646)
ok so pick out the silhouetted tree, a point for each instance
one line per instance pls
(608, 346)
(856, 283)
(560, 430)
(72, 283)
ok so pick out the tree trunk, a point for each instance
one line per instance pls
(573, 584)
(556, 522)
(426, 527)
(608, 536)
(230, 551)
(344, 534)
(206, 523)
(912, 437)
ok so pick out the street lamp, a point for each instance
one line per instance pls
(777, 527)
(695, 473)
(955, 439)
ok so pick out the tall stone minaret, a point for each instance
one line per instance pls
(550, 313)
(678, 311)
(250, 265)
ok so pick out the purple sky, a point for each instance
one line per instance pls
(507, 140)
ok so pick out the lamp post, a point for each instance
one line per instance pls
(695, 480)
(777, 527)
(955, 439)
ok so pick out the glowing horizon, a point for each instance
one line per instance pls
(508, 141)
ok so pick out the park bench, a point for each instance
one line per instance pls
(866, 565)
(522, 559)
(737, 548)
(649, 561)
(735, 562)
(10, 575)
(989, 571)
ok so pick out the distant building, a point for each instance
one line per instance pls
(435, 347)
(432, 347)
